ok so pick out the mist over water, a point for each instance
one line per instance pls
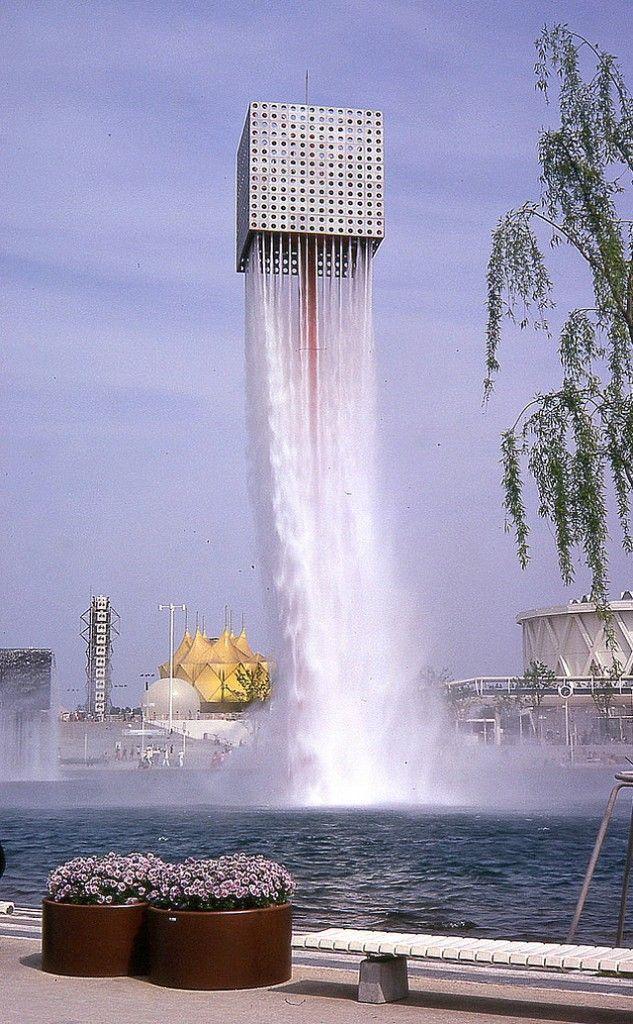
(28, 745)
(346, 653)
(473, 785)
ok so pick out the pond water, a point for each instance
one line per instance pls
(495, 874)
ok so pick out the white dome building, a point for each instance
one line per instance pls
(185, 700)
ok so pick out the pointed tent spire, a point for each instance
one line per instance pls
(180, 654)
(242, 644)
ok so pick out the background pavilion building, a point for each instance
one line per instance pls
(225, 671)
(576, 687)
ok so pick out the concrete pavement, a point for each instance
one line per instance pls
(320, 993)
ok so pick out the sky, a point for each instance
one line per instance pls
(124, 447)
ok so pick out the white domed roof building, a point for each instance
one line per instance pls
(185, 700)
(571, 640)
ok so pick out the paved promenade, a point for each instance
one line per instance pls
(322, 991)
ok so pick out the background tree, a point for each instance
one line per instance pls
(578, 437)
(532, 688)
(604, 698)
(434, 691)
(255, 681)
(604, 694)
(513, 702)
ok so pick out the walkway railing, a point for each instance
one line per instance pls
(561, 686)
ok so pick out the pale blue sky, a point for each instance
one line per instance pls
(124, 464)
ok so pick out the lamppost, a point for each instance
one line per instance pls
(171, 608)
(150, 704)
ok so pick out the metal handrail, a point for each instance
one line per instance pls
(484, 685)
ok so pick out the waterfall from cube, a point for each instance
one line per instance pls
(346, 660)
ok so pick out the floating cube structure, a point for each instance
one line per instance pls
(25, 680)
(27, 745)
(305, 170)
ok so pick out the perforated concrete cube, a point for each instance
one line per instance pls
(310, 170)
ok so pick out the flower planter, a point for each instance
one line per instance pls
(94, 941)
(220, 949)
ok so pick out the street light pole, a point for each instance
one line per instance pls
(567, 732)
(171, 608)
(150, 704)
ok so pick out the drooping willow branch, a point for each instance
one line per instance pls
(575, 441)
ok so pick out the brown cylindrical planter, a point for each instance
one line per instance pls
(220, 949)
(94, 941)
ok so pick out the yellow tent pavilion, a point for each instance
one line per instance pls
(221, 669)
(241, 642)
(179, 655)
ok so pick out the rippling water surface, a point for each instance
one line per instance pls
(480, 874)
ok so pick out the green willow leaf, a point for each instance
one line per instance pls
(576, 441)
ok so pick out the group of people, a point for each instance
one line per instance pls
(151, 757)
(162, 757)
(121, 752)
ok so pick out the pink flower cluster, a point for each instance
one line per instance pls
(237, 882)
(111, 879)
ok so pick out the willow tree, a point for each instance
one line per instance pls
(575, 441)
